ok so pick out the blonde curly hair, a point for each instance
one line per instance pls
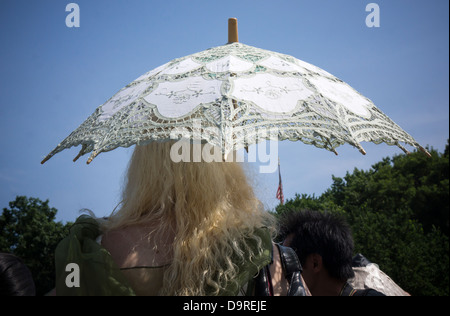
(210, 207)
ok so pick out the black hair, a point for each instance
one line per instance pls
(323, 233)
(15, 277)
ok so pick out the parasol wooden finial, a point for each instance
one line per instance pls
(232, 31)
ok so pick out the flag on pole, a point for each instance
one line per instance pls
(280, 195)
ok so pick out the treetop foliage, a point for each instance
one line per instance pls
(399, 214)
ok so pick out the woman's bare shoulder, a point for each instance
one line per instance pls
(119, 244)
(133, 246)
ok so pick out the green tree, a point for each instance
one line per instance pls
(28, 230)
(413, 182)
(416, 260)
(399, 214)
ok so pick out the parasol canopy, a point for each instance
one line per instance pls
(233, 96)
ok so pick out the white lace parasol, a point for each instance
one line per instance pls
(233, 96)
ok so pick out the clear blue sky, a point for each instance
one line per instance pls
(53, 77)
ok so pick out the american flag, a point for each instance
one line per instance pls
(280, 195)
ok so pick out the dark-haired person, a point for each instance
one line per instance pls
(15, 277)
(324, 244)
